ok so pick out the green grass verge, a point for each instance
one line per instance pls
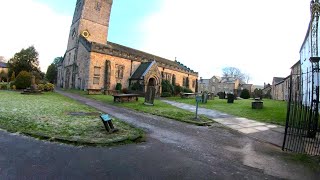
(160, 108)
(273, 111)
(312, 162)
(47, 116)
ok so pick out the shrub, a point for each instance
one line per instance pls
(245, 94)
(23, 80)
(4, 86)
(167, 87)
(177, 89)
(136, 86)
(41, 87)
(118, 86)
(13, 76)
(48, 87)
(14, 87)
(166, 94)
(187, 90)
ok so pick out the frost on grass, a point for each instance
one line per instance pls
(47, 115)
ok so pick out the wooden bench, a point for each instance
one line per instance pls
(125, 97)
(187, 95)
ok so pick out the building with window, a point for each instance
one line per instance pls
(93, 63)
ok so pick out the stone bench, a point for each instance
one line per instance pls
(187, 95)
(125, 97)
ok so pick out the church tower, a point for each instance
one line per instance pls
(90, 20)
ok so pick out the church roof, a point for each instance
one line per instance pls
(141, 71)
(133, 54)
(3, 65)
(147, 55)
(277, 80)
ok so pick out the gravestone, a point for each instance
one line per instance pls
(33, 89)
(33, 83)
(257, 104)
(198, 99)
(150, 95)
(204, 97)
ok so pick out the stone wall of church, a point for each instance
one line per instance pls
(168, 74)
(98, 61)
(83, 61)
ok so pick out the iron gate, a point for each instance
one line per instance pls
(302, 131)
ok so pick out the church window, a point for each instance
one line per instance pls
(73, 34)
(193, 84)
(96, 80)
(184, 81)
(96, 75)
(69, 58)
(174, 80)
(97, 71)
(98, 5)
(119, 71)
(169, 77)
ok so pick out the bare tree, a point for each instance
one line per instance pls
(247, 78)
(233, 73)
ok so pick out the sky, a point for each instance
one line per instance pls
(261, 38)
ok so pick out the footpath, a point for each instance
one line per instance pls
(265, 132)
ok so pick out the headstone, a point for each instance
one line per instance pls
(33, 89)
(150, 95)
(204, 97)
(198, 99)
(33, 83)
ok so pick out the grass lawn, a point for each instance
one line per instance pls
(160, 108)
(48, 116)
(273, 111)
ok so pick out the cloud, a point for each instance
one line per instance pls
(262, 38)
(26, 22)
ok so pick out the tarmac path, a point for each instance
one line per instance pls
(173, 150)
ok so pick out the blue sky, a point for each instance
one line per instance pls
(124, 21)
(260, 37)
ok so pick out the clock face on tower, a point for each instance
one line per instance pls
(85, 33)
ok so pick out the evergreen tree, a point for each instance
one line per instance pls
(25, 60)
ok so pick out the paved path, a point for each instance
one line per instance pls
(270, 133)
(173, 150)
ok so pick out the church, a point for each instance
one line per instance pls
(93, 63)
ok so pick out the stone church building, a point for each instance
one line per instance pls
(93, 63)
